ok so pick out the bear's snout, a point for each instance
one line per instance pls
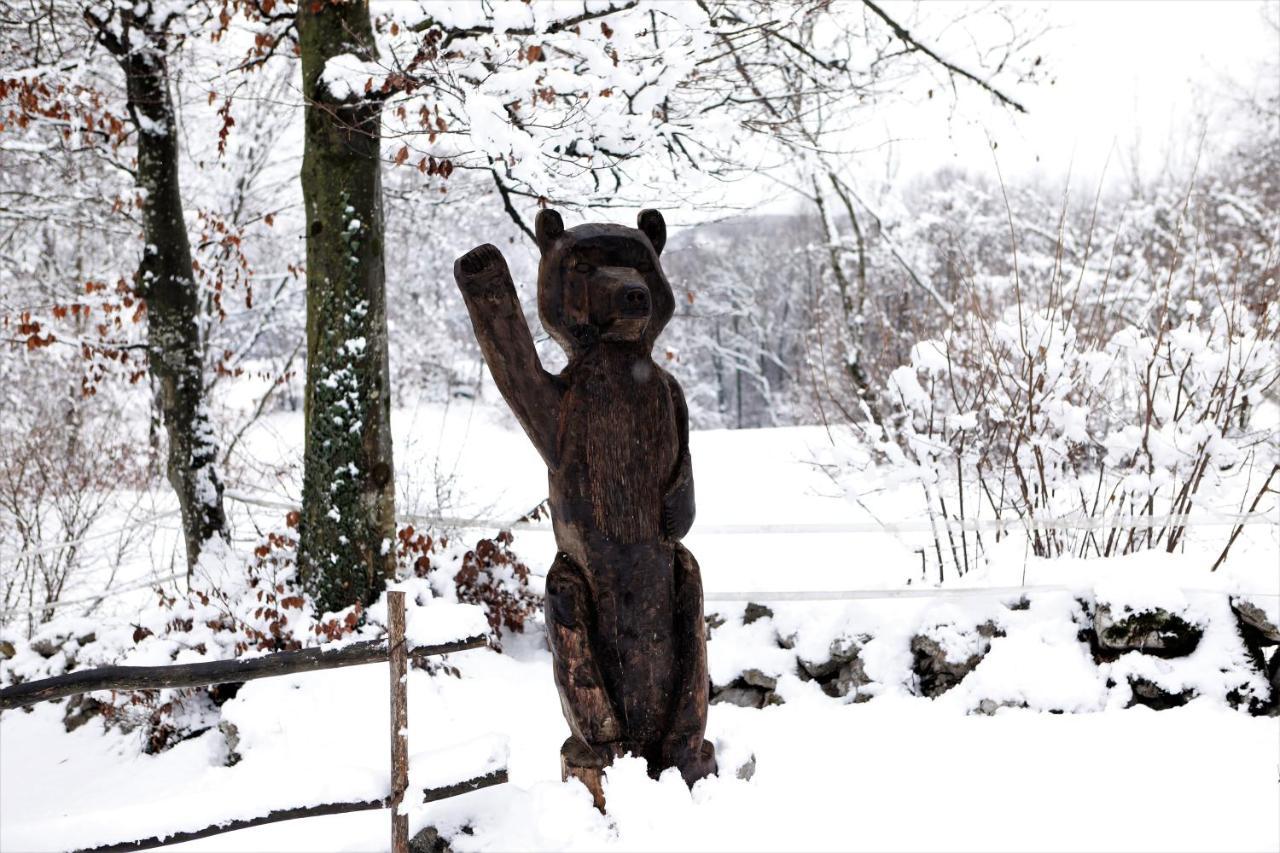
(620, 303)
(633, 300)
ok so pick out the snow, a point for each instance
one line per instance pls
(1039, 663)
(433, 621)
(897, 772)
(492, 131)
(930, 356)
(439, 768)
(903, 382)
(151, 126)
(347, 76)
(739, 647)
(511, 15)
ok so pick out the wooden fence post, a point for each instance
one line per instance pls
(399, 720)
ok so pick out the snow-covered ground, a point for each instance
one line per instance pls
(900, 772)
(891, 774)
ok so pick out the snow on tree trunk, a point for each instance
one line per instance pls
(165, 280)
(348, 499)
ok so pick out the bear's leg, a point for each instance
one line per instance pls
(586, 704)
(684, 747)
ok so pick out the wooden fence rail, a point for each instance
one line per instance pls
(430, 795)
(213, 672)
(391, 651)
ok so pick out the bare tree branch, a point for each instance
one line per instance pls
(902, 33)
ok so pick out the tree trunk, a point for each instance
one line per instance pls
(174, 348)
(347, 531)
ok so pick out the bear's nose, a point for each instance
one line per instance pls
(635, 300)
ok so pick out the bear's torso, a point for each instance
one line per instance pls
(617, 449)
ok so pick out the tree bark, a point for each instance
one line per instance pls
(175, 353)
(347, 531)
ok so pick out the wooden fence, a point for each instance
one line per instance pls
(392, 651)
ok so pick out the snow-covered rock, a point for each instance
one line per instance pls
(1152, 631)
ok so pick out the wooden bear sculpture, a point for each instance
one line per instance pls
(624, 597)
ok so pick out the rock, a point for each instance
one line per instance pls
(7, 650)
(1269, 707)
(747, 770)
(937, 674)
(231, 736)
(87, 639)
(46, 647)
(1153, 696)
(429, 840)
(1253, 644)
(743, 697)
(810, 670)
(842, 651)
(756, 678)
(755, 612)
(1274, 671)
(752, 689)
(841, 674)
(714, 621)
(988, 707)
(850, 681)
(80, 710)
(1253, 618)
(1153, 632)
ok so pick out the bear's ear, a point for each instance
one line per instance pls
(654, 227)
(547, 227)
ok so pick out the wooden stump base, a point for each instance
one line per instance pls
(578, 761)
(704, 766)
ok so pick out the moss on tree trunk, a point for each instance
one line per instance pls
(347, 528)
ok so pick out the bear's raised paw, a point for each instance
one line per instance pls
(482, 272)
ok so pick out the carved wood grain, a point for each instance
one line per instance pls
(624, 597)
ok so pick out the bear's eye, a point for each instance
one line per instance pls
(582, 267)
(644, 265)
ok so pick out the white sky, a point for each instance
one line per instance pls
(1137, 78)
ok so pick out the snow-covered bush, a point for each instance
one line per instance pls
(242, 605)
(67, 464)
(493, 577)
(1023, 416)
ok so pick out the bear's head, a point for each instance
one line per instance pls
(602, 283)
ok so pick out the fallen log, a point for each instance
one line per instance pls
(214, 672)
